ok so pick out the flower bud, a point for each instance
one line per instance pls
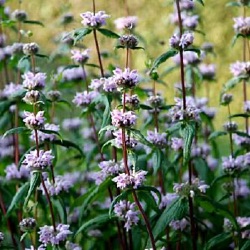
(27, 225)
(19, 15)
(31, 97)
(226, 99)
(30, 48)
(54, 95)
(128, 41)
(67, 18)
(230, 126)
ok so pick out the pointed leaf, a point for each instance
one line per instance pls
(232, 83)
(17, 130)
(216, 134)
(220, 241)
(201, 2)
(47, 131)
(80, 33)
(61, 209)
(108, 33)
(34, 181)
(244, 115)
(23, 236)
(246, 245)
(19, 197)
(175, 211)
(233, 4)
(34, 22)
(163, 58)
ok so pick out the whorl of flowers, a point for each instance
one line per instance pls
(62, 183)
(131, 101)
(159, 140)
(128, 41)
(80, 56)
(183, 42)
(27, 225)
(125, 79)
(30, 48)
(179, 224)
(48, 236)
(207, 71)
(126, 211)
(84, 98)
(128, 22)
(185, 189)
(242, 25)
(34, 80)
(31, 97)
(13, 173)
(135, 179)
(94, 20)
(38, 163)
(123, 119)
(34, 121)
(240, 69)
(130, 141)
(45, 136)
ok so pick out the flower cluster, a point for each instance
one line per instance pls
(27, 225)
(39, 162)
(128, 22)
(130, 141)
(182, 42)
(34, 81)
(80, 56)
(123, 119)
(179, 224)
(46, 136)
(125, 79)
(83, 99)
(49, 236)
(135, 179)
(128, 41)
(207, 71)
(240, 69)
(186, 189)
(94, 20)
(126, 211)
(159, 140)
(13, 173)
(242, 25)
(34, 121)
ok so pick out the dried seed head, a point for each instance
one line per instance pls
(30, 48)
(128, 41)
(226, 99)
(230, 126)
(54, 95)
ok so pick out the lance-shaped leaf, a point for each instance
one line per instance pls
(61, 209)
(163, 58)
(34, 22)
(108, 33)
(17, 130)
(80, 34)
(220, 241)
(175, 211)
(201, 2)
(217, 134)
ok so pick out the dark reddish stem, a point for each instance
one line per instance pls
(98, 52)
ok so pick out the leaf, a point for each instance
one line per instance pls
(95, 222)
(146, 107)
(140, 137)
(4, 106)
(211, 206)
(34, 22)
(24, 64)
(175, 211)
(23, 236)
(108, 127)
(17, 130)
(244, 115)
(35, 176)
(231, 83)
(157, 159)
(150, 189)
(216, 134)
(246, 245)
(220, 241)
(197, 51)
(61, 209)
(201, 2)
(18, 197)
(68, 144)
(47, 131)
(80, 33)
(108, 33)
(137, 48)
(106, 113)
(233, 4)
(163, 58)
(187, 132)
(42, 56)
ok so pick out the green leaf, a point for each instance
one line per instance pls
(95, 222)
(146, 107)
(187, 132)
(17, 130)
(68, 144)
(233, 4)
(8, 23)
(175, 211)
(137, 48)
(47, 131)
(61, 209)
(24, 64)
(211, 206)
(106, 113)
(163, 58)
(201, 2)
(140, 137)
(197, 51)
(246, 245)
(220, 241)
(42, 56)
(244, 115)
(150, 189)
(157, 159)
(4, 106)
(108, 127)
(216, 134)
(18, 197)
(231, 83)
(34, 181)
(23, 236)
(34, 22)
(80, 33)
(108, 33)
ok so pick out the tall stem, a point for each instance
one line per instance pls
(193, 230)
(98, 53)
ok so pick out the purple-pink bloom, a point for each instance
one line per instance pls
(94, 20)
(34, 121)
(128, 22)
(240, 69)
(34, 80)
(125, 79)
(242, 25)
(179, 224)
(207, 71)
(84, 98)
(159, 140)
(186, 39)
(80, 56)
(123, 119)
(13, 173)
(11, 89)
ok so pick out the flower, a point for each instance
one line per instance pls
(230, 126)
(34, 80)
(27, 225)
(19, 15)
(132, 101)
(125, 79)
(176, 143)
(34, 121)
(31, 97)
(159, 140)
(190, 22)
(128, 22)
(135, 179)
(179, 224)
(11, 89)
(226, 99)
(84, 98)
(48, 236)
(73, 74)
(229, 164)
(207, 71)
(131, 142)
(167, 199)
(242, 25)
(123, 119)
(94, 20)
(80, 56)
(240, 69)
(128, 41)
(30, 48)
(12, 172)
(126, 211)
(186, 39)
(247, 106)
(45, 136)
(72, 123)
(39, 162)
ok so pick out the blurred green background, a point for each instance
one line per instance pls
(155, 28)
